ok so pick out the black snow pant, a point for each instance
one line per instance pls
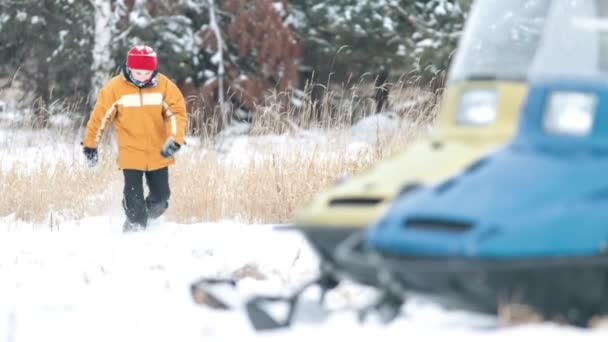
(138, 209)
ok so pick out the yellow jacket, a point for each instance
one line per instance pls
(144, 118)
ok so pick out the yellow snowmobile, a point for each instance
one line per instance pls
(479, 112)
(486, 85)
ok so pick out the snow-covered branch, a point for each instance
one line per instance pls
(218, 58)
(403, 14)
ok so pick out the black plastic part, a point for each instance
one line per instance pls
(324, 240)
(387, 308)
(262, 320)
(569, 289)
(355, 262)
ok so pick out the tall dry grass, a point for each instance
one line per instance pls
(260, 190)
(208, 186)
(47, 191)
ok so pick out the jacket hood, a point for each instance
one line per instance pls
(127, 76)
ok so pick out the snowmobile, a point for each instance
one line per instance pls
(479, 112)
(526, 224)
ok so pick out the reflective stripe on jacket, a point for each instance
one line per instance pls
(143, 118)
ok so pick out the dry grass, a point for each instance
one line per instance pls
(514, 314)
(262, 190)
(340, 109)
(599, 323)
(50, 191)
(206, 186)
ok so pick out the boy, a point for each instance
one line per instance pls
(149, 116)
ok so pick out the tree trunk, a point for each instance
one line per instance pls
(42, 89)
(218, 58)
(102, 61)
(382, 90)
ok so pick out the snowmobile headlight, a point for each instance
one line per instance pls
(570, 113)
(477, 107)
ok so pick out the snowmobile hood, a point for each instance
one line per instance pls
(453, 145)
(530, 198)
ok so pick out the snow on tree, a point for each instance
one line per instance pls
(347, 40)
(69, 48)
(350, 37)
(439, 25)
(49, 42)
(159, 25)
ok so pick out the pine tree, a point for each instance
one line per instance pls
(161, 26)
(439, 24)
(49, 43)
(352, 38)
(352, 41)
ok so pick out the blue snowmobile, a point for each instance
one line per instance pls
(527, 224)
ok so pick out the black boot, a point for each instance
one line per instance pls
(133, 201)
(155, 210)
(134, 222)
(129, 226)
(157, 201)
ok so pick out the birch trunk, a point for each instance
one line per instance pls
(219, 56)
(102, 48)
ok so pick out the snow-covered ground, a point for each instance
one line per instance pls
(85, 280)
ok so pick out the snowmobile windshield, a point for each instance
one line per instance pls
(500, 40)
(575, 41)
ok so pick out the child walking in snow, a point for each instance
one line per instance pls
(149, 116)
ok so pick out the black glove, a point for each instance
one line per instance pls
(91, 154)
(169, 148)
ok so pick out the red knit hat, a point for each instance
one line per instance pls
(142, 57)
